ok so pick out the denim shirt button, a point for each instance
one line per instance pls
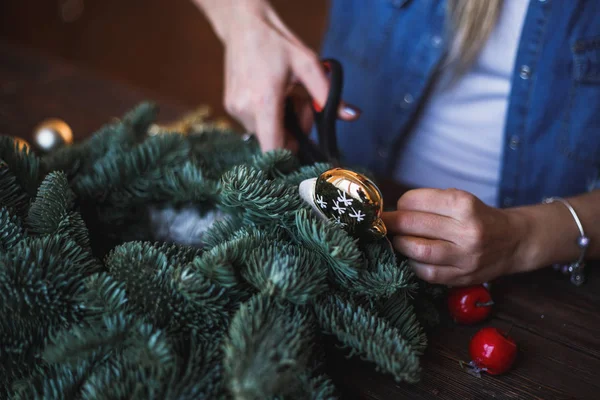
(507, 201)
(436, 41)
(513, 144)
(408, 99)
(525, 72)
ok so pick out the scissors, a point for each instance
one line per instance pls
(326, 150)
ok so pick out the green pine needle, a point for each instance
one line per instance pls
(276, 163)
(384, 276)
(333, 244)
(22, 163)
(267, 349)
(320, 387)
(42, 278)
(259, 199)
(127, 175)
(400, 313)
(178, 254)
(103, 295)
(52, 204)
(171, 296)
(224, 262)
(184, 184)
(370, 336)
(221, 231)
(288, 272)
(217, 151)
(11, 230)
(239, 317)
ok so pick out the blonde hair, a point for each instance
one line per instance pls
(470, 22)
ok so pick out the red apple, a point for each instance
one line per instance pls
(470, 304)
(492, 351)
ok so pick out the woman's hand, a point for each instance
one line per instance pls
(263, 60)
(453, 238)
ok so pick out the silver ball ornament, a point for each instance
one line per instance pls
(51, 134)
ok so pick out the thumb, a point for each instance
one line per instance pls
(309, 70)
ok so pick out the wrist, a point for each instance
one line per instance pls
(543, 235)
(525, 226)
(224, 14)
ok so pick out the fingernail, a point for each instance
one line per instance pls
(351, 111)
(317, 106)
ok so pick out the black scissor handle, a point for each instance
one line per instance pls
(325, 121)
(326, 118)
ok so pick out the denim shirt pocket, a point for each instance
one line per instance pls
(580, 136)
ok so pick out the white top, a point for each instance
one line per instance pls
(458, 141)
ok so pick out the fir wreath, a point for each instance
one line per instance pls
(93, 305)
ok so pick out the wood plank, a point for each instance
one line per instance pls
(544, 369)
(547, 304)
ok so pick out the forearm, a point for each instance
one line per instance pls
(550, 232)
(220, 13)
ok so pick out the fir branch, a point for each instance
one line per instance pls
(122, 134)
(22, 340)
(199, 372)
(224, 262)
(287, 271)
(170, 296)
(103, 296)
(217, 151)
(52, 204)
(383, 276)
(260, 200)
(370, 336)
(55, 382)
(11, 194)
(267, 349)
(400, 313)
(22, 163)
(276, 163)
(320, 387)
(176, 253)
(332, 243)
(129, 176)
(184, 184)
(41, 279)
(67, 159)
(221, 231)
(128, 357)
(11, 230)
(73, 226)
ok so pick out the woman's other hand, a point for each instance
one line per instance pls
(453, 238)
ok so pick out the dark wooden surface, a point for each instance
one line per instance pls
(556, 325)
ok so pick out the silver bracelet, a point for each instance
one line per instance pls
(576, 269)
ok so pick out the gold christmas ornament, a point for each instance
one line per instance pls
(348, 198)
(52, 134)
(190, 123)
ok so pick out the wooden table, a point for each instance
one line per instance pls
(556, 325)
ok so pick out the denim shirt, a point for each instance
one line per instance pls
(392, 49)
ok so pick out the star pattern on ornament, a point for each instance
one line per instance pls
(339, 221)
(322, 203)
(343, 199)
(358, 215)
(337, 207)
